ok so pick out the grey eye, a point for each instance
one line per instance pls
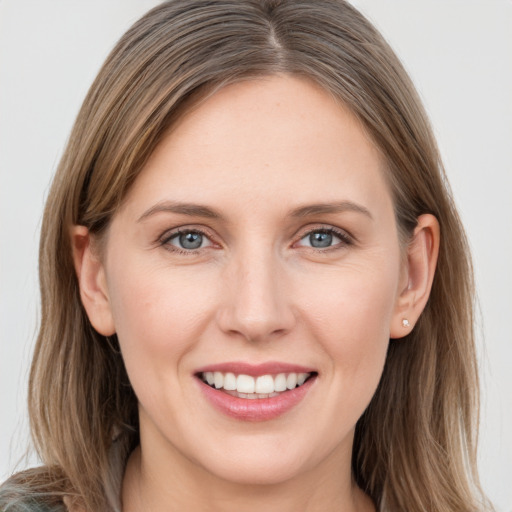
(189, 240)
(323, 239)
(320, 239)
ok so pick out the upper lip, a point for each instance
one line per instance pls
(243, 368)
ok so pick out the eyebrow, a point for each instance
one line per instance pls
(197, 210)
(323, 208)
(191, 209)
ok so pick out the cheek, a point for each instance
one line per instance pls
(158, 316)
(353, 301)
(349, 314)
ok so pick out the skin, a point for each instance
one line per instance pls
(255, 291)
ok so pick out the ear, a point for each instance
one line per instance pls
(91, 279)
(418, 275)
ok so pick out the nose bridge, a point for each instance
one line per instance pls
(257, 305)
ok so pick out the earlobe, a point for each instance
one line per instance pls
(422, 253)
(91, 279)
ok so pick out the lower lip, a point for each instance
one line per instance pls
(258, 409)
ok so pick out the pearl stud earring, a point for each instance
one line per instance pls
(405, 322)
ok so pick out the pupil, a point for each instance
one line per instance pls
(191, 240)
(320, 239)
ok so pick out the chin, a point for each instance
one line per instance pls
(259, 465)
(258, 472)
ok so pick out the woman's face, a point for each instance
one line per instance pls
(258, 241)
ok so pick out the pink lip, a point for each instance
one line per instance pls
(269, 368)
(259, 409)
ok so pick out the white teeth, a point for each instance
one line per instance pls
(301, 378)
(245, 384)
(291, 380)
(218, 380)
(229, 382)
(265, 384)
(280, 382)
(250, 387)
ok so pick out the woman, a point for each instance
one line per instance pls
(256, 291)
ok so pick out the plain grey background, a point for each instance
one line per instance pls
(459, 54)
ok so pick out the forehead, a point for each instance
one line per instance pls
(277, 136)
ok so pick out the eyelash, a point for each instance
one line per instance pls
(346, 240)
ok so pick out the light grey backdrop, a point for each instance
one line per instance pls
(459, 53)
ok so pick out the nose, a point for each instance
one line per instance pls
(257, 303)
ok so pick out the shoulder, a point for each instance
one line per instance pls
(24, 492)
(19, 503)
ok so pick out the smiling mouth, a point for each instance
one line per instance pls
(250, 387)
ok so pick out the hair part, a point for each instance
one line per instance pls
(415, 445)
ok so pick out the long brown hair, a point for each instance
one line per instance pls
(415, 445)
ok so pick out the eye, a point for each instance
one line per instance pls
(187, 240)
(325, 238)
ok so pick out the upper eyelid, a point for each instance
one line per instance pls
(324, 227)
(170, 233)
